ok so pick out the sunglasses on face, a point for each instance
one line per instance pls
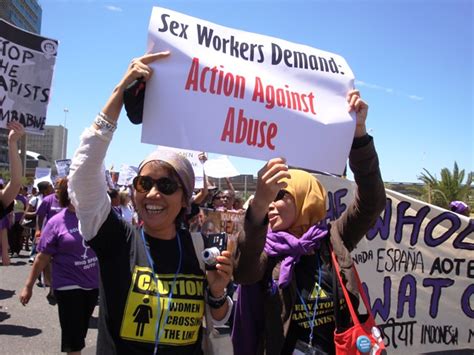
(280, 195)
(165, 185)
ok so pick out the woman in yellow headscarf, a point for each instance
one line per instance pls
(286, 293)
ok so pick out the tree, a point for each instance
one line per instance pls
(449, 188)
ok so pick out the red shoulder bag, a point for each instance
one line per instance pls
(361, 338)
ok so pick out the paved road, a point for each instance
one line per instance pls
(33, 329)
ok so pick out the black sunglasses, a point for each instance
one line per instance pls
(280, 195)
(165, 185)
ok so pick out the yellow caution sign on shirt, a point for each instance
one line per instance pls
(182, 313)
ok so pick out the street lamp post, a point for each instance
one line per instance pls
(66, 110)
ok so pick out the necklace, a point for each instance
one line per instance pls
(158, 331)
(315, 307)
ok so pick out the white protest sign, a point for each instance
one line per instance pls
(233, 92)
(193, 157)
(44, 178)
(417, 264)
(26, 70)
(62, 166)
(42, 172)
(220, 167)
(126, 175)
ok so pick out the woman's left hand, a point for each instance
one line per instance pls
(361, 109)
(16, 131)
(219, 279)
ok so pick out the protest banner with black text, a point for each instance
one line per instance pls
(417, 265)
(26, 69)
(244, 94)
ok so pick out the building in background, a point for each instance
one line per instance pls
(33, 161)
(25, 14)
(51, 146)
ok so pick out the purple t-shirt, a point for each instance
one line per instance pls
(74, 262)
(48, 207)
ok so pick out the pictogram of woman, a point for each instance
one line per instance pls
(142, 315)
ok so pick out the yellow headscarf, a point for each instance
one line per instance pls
(310, 200)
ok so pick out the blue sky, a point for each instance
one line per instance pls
(412, 59)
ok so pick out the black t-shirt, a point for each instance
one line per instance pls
(307, 276)
(128, 292)
(4, 211)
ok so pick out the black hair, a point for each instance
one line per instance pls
(113, 193)
(43, 186)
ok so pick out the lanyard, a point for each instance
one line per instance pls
(315, 307)
(158, 331)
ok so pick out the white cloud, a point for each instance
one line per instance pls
(114, 8)
(387, 90)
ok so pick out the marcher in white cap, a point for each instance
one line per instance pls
(153, 291)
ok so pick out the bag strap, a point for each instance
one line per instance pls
(337, 270)
(335, 299)
(363, 294)
(198, 244)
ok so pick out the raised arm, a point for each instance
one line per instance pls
(8, 194)
(87, 185)
(202, 194)
(230, 186)
(250, 261)
(370, 195)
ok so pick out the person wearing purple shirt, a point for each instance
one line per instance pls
(75, 273)
(48, 207)
(10, 190)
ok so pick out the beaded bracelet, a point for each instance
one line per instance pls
(104, 123)
(215, 302)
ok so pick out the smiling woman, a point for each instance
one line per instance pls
(152, 281)
(161, 197)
